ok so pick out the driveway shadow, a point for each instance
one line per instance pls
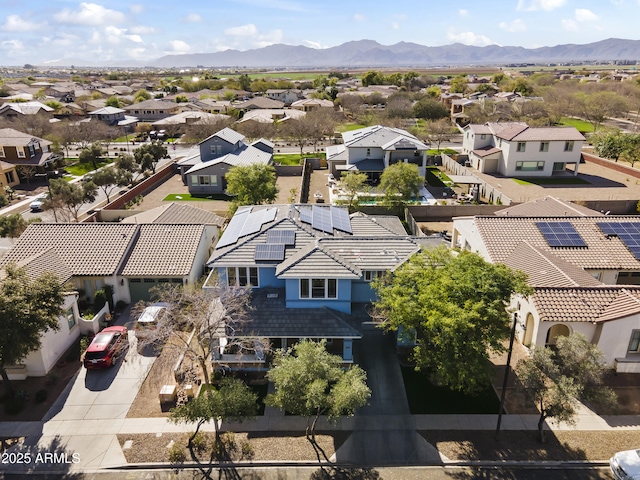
(100, 380)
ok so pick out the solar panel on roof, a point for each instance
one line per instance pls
(560, 234)
(233, 230)
(269, 251)
(306, 215)
(285, 237)
(340, 219)
(628, 233)
(322, 219)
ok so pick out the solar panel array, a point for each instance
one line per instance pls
(245, 223)
(270, 251)
(560, 234)
(326, 218)
(285, 237)
(628, 233)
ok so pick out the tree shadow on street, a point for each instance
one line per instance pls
(345, 473)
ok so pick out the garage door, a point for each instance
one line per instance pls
(140, 288)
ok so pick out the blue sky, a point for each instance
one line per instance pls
(56, 31)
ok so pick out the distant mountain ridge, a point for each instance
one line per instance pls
(369, 53)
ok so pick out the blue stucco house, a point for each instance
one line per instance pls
(310, 268)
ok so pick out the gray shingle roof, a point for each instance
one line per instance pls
(242, 157)
(375, 136)
(270, 318)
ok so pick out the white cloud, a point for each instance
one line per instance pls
(178, 46)
(16, 24)
(63, 39)
(469, 38)
(570, 25)
(193, 18)
(534, 5)
(585, 15)
(247, 30)
(142, 30)
(516, 25)
(358, 17)
(395, 25)
(12, 46)
(463, 12)
(136, 8)
(90, 14)
(314, 44)
(277, 4)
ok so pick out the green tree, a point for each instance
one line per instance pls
(232, 400)
(148, 155)
(70, 196)
(371, 78)
(456, 305)
(244, 81)
(252, 185)
(609, 145)
(352, 184)
(309, 382)
(430, 109)
(631, 148)
(109, 178)
(459, 84)
(142, 95)
(92, 153)
(14, 224)
(113, 102)
(28, 309)
(400, 182)
(597, 107)
(182, 99)
(555, 380)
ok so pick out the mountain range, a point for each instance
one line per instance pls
(369, 53)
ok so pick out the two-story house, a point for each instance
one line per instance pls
(108, 115)
(285, 96)
(204, 173)
(21, 149)
(584, 267)
(514, 149)
(152, 110)
(372, 149)
(310, 268)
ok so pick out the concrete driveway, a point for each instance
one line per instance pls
(83, 423)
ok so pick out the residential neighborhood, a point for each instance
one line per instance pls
(402, 224)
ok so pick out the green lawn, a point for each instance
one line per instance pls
(347, 127)
(426, 398)
(294, 158)
(79, 169)
(542, 181)
(187, 197)
(436, 178)
(446, 151)
(581, 125)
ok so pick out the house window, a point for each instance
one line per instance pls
(568, 146)
(213, 180)
(216, 149)
(1, 152)
(242, 276)
(368, 152)
(203, 180)
(318, 288)
(634, 344)
(194, 179)
(529, 166)
(544, 146)
(521, 146)
(483, 136)
(371, 275)
(21, 153)
(71, 318)
(32, 150)
(9, 177)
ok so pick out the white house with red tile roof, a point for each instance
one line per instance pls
(514, 149)
(585, 271)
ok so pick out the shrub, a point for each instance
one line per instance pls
(121, 305)
(99, 299)
(41, 396)
(52, 378)
(199, 442)
(177, 454)
(3, 200)
(13, 406)
(247, 450)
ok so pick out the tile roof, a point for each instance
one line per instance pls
(87, 248)
(314, 260)
(270, 318)
(547, 207)
(241, 157)
(586, 304)
(177, 213)
(486, 151)
(549, 134)
(544, 269)
(375, 136)
(15, 138)
(260, 102)
(375, 253)
(45, 261)
(502, 234)
(163, 250)
(363, 225)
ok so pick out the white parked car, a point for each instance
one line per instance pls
(148, 320)
(626, 465)
(36, 205)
